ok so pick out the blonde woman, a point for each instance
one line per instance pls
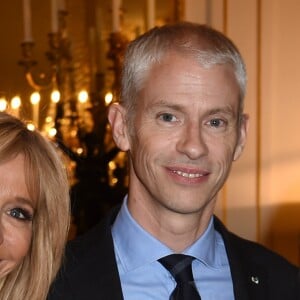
(34, 211)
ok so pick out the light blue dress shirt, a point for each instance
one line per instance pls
(144, 278)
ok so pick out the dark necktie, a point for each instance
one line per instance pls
(180, 266)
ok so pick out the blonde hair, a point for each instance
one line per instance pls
(47, 184)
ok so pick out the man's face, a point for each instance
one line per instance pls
(185, 136)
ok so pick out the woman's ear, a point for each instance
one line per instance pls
(243, 131)
(117, 121)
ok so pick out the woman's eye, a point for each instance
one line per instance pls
(166, 117)
(20, 214)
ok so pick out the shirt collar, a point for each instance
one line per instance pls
(136, 247)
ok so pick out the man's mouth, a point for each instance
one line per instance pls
(188, 175)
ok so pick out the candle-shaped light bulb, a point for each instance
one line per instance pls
(83, 96)
(52, 132)
(3, 104)
(30, 127)
(35, 100)
(108, 98)
(55, 96)
(15, 104)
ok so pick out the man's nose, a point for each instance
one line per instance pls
(191, 142)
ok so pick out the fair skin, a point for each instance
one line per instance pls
(16, 213)
(185, 137)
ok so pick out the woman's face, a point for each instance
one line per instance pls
(16, 214)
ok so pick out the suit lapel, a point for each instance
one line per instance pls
(110, 280)
(249, 279)
(102, 279)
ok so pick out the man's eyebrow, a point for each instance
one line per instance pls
(165, 104)
(226, 109)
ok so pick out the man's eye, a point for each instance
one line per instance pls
(166, 117)
(216, 123)
(20, 214)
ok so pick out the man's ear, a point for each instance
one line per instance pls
(117, 121)
(243, 131)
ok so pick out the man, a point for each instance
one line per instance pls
(182, 124)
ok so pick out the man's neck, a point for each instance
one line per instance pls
(176, 231)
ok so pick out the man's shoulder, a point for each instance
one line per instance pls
(259, 270)
(259, 253)
(244, 250)
(89, 266)
(97, 243)
(86, 244)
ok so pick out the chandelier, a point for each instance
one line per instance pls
(76, 119)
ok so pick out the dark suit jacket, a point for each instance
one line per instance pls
(90, 269)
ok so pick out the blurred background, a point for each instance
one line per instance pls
(60, 66)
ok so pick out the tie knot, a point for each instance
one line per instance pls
(180, 267)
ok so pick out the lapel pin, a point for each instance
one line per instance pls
(255, 279)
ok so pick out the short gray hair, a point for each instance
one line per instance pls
(204, 44)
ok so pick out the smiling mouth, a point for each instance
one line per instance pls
(188, 175)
